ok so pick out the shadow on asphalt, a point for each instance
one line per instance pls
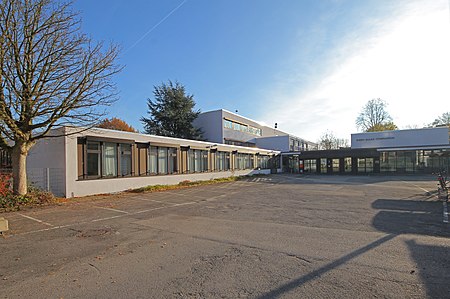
(322, 270)
(433, 265)
(400, 216)
(395, 218)
(339, 179)
(422, 218)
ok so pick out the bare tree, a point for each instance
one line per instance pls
(50, 75)
(374, 117)
(328, 141)
(443, 120)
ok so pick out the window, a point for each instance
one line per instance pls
(153, 160)
(93, 159)
(387, 162)
(323, 165)
(162, 160)
(197, 155)
(263, 162)
(310, 165)
(244, 161)
(197, 160)
(335, 165)
(222, 161)
(229, 124)
(125, 159)
(365, 165)
(348, 164)
(109, 159)
(204, 166)
(172, 152)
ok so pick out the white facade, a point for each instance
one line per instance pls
(427, 137)
(54, 163)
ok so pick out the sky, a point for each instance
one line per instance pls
(310, 66)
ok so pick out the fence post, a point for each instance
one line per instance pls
(47, 175)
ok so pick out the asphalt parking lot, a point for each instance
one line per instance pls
(278, 236)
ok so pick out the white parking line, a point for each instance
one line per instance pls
(96, 220)
(445, 212)
(111, 209)
(154, 200)
(423, 189)
(35, 219)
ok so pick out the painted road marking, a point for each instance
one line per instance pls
(444, 204)
(96, 220)
(423, 189)
(445, 212)
(111, 209)
(154, 200)
(35, 219)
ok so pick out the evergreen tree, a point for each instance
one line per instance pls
(171, 113)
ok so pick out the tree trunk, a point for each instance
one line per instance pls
(19, 168)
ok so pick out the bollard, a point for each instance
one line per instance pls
(3, 225)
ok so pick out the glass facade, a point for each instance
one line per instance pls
(222, 161)
(262, 162)
(243, 161)
(197, 160)
(419, 161)
(310, 165)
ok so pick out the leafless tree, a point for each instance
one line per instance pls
(51, 75)
(443, 120)
(374, 117)
(328, 141)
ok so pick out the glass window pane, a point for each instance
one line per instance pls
(162, 160)
(125, 159)
(109, 159)
(93, 164)
(152, 160)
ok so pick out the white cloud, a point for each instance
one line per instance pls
(405, 62)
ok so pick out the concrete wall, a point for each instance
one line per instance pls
(211, 125)
(46, 164)
(279, 143)
(402, 138)
(101, 186)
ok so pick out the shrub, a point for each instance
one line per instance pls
(5, 185)
(10, 202)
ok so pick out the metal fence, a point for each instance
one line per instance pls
(47, 179)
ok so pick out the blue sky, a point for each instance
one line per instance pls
(308, 65)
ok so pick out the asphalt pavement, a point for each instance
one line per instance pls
(277, 236)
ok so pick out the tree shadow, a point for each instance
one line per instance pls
(324, 269)
(433, 263)
(400, 216)
(397, 217)
(421, 218)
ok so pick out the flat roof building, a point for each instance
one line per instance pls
(96, 161)
(226, 127)
(415, 151)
